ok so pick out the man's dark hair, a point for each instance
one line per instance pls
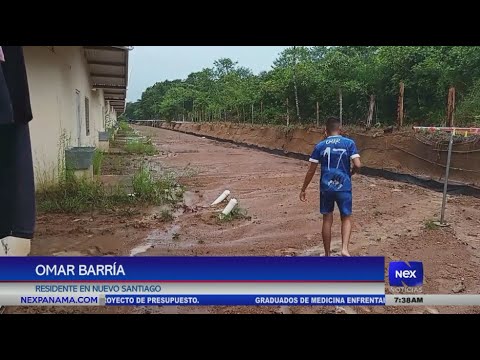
(332, 124)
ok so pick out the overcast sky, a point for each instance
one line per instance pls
(151, 64)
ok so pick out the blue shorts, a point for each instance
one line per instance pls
(342, 198)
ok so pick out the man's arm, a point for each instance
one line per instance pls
(357, 165)
(355, 157)
(308, 178)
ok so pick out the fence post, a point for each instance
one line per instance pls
(447, 172)
(400, 105)
(450, 106)
(371, 109)
(318, 115)
(261, 111)
(252, 114)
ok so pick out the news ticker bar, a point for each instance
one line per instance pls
(239, 300)
(191, 293)
(190, 300)
(194, 288)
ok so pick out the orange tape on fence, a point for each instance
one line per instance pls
(448, 129)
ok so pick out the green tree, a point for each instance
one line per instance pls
(304, 76)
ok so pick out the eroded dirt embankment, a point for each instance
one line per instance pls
(400, 152)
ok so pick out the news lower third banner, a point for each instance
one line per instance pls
(192, 281)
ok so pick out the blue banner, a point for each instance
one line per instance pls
(192, 269)
(257, 300)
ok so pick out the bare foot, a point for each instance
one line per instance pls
(345, 253)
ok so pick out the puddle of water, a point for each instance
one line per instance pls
(140, 249)
(189, 198)
(156, 237)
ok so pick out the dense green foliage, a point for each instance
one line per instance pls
(227, 90)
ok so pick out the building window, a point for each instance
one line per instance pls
(87, 115)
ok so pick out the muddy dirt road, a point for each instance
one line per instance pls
(390, 219)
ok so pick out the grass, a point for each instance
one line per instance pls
(155, 191)
(430, 225)
(140, 147)
(237, 213)
(136, 146)
(72, 195)
(97, 161)
(123, 125)
(125, 129)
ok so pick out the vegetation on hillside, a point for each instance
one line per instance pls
(227, 91)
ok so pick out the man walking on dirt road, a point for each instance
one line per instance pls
(334, 155)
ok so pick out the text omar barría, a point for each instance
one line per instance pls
(82, 270)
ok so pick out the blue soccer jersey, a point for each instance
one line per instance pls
(334, 155)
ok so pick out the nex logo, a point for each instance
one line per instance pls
(405, 274)
(402, 273)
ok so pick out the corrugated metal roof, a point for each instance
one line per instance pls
(109, 71)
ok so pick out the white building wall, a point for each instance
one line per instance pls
(111, 115)
(54, 76)
(97, 106)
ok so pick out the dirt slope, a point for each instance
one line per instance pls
(404, 151)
